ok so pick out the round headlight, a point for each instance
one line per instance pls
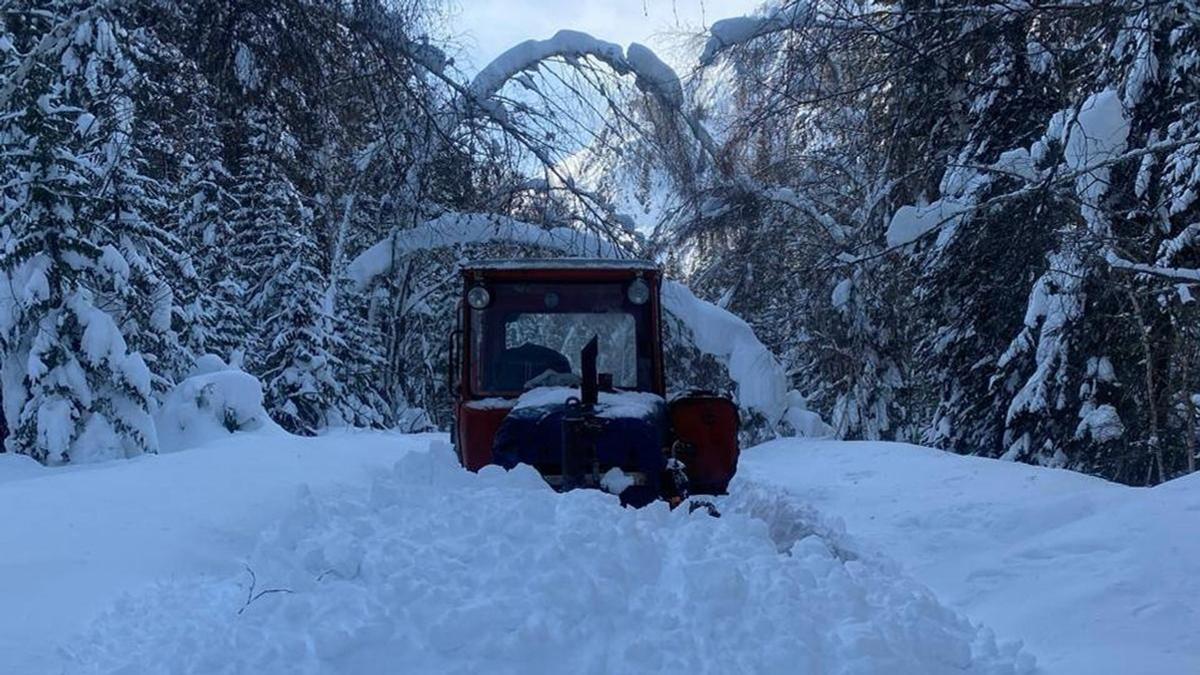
(479, 297)
(639, 292)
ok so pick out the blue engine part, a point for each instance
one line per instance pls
(578, 444)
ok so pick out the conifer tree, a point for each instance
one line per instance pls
(72, 385)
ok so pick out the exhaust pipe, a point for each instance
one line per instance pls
(589, 387)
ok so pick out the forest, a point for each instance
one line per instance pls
(968, 225)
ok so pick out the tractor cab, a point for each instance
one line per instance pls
(557, 363)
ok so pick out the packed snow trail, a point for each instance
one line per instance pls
(427, 568)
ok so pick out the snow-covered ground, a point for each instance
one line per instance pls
(73, 539)
(1094, 577)
(264, 553)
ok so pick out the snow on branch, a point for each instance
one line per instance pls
(50, 45)
(654, 77)
(530, 53)
(1178, 273)
(479, 98)
(461, 229)
(732, 32)
(1093, 137)
(761, 380)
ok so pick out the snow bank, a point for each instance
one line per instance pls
(75, 538)
(433, 569)
(1095, 578)
(17, 467)
(210, 406)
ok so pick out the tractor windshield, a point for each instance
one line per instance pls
(531, 334)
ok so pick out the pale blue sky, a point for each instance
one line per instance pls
(488, 27)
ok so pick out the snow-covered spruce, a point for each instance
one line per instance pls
(85, 312)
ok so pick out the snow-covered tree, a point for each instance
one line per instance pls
(214, 317)
(76, 248)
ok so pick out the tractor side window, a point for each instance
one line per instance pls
(567, 333)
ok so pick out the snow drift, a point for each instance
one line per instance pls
(1096, 578)
(76, 538)
(214, 561)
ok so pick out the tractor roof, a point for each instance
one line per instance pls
(511, 264)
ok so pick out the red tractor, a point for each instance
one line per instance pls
(557, 363)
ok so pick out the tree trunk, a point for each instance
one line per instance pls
(1189, 410)
(1154, 440)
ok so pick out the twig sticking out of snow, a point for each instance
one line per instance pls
(251, 596)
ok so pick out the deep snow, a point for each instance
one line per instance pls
(146, 566)
(395, 560)
(73, 539)
(1095, 577)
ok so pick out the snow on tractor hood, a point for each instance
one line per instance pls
(612, 405)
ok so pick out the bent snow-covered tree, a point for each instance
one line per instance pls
(761, 382)
(483, 103)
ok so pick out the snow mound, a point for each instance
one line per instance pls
(175, 515)
(434, 569)
(210, 406)
(208, 363)
(804, 422)
(17, 467)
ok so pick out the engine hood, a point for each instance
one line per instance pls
(628, 430)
